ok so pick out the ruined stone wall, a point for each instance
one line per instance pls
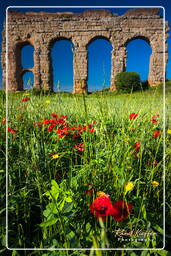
(42, 29)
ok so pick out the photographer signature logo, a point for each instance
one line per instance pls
(134, 235)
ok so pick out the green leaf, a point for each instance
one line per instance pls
(48, 223)
(68, 199)
(88, 227)
(144, 212)
(61, 205)
(144, 253)
(55, 190)
(163, 252)
(70, 235)
(67, 207)
(54, 184)
(159, 229)
(1, 211)
(133, 254)
(47, 212)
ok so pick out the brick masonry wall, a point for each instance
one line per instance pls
(42, 29)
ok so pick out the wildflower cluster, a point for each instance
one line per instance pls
(103, 207)
(156, 133)
(63, 129)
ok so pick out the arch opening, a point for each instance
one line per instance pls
(99, 64)
(138, 57)
(61, 65)
(27, 80)
(27, 56)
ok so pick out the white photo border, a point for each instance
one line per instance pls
(164, 135)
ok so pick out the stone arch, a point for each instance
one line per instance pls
(146, 42)
(96, 37)
(24, 72)
(104, 76)
(152, 77)
(27, 56)
(19, 69)
(142, 37)
(50, 46)
(81, 28)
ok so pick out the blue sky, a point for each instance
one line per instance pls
(99, 51)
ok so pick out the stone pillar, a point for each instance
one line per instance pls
(156, 70)
(118, 64)
(13, 69)
(157, 63)
(37, 81)
(11, 84)
(80, 70)
(46, 81)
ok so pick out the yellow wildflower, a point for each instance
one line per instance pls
(17, 91)
(55, 156)
(26, 94)
(155, 183)
(100, 193)
(47, 101)
(38, 105)
(129, 186)
(169, 132)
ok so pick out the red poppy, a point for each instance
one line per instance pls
(154, 120)
(4, 121)
(64, 117)
(25, 99)
(102, 207)
(90, 126)
(50, 128)
(122, 210)
(92, 130)
(80, 131)
(79, 147)
(156, 133)
(154, 116)
(137, 146)
(133, 115)
(54, 115)
(60, 121)
(37, 124)
(46, 122)
(78, 127)
(12, 130)
(61, 133)
(72, 128)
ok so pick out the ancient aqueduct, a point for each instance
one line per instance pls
(42, 29)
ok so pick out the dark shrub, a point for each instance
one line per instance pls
(128, 81)
(145, 85)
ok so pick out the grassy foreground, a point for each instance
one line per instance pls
(64, 151)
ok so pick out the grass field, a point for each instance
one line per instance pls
(82, 168)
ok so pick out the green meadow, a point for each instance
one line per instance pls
(68, 152)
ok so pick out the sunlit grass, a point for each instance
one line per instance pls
(108, 162)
